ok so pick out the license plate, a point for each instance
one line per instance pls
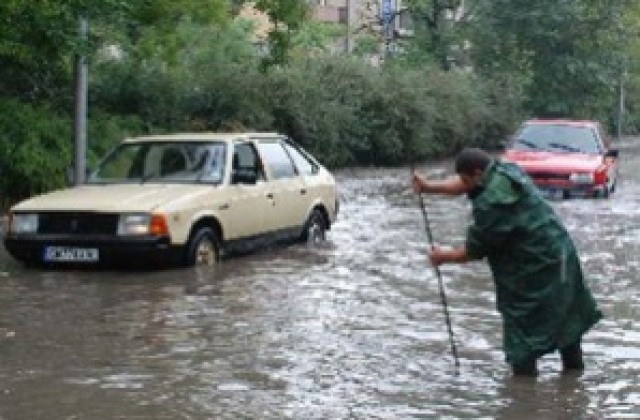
(70, 254)
(552, 194)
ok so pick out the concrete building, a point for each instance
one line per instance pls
(382, 18)
(385, 18)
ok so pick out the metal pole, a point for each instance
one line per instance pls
(349, 41)
(443, 295)
(81, 88)
(621, 100)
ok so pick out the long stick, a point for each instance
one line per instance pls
(443, 296)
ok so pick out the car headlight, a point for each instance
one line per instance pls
(582, 178)
(23, 223)
(135, 224)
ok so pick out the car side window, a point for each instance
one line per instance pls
(277, 159)
(303, 163)
(246, 163)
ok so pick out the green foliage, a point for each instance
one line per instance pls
(185, 65)
(315, 37)
(214, 83)
(319, 103)
(565, 56)
(105, 131)
(287, 17)
(349, 113)
(437, 36)
(35, 148)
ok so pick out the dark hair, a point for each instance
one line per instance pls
(471, 159)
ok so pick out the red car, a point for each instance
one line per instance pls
(565, 158)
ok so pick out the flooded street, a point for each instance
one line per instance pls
(353, 330)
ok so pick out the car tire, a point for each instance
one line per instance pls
(315, 229)
(203, 248)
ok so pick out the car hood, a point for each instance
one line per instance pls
(113, 198)
(553, 162)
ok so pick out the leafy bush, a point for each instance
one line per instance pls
(350, 113)
(36, 146)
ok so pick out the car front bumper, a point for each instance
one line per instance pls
(104, 250)
(568, 190)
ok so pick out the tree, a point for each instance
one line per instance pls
(287, 17)
(38, 38)
(563, 55)
(438, 26)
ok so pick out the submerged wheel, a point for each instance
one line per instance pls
(315, 230)
(203, 248)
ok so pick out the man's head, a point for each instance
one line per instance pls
(470, 165)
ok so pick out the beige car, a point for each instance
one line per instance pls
(181, 198)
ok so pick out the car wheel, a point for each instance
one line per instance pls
(602, 194)
(316, 228)
(203, 248)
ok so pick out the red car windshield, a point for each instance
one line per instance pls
(557, 138)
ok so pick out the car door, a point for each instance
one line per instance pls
(251, 206)
(290, 194)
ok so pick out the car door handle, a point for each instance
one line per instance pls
(303, 191)
(224, 206)
(269, 196)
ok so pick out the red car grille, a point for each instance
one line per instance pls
(548, 176)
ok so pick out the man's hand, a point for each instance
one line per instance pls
(452, 185)
(418, 183)
(440, 255)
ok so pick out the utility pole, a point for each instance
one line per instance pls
(80, 117)
(622, 35)
(348, 40)
(621, 100)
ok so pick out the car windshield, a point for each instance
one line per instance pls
(557, 137)
(163, 161)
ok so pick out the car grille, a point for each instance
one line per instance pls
(78, 223)
(548, 175)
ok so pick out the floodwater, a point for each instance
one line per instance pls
(352, 330)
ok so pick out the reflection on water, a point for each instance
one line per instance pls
(354, 329)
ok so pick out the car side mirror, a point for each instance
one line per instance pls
(244, 176)
(612, 153)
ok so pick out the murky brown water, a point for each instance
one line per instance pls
(354, 330)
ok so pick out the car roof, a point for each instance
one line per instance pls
(189, 137)
(562, 121)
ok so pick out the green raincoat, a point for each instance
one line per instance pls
(541, 294)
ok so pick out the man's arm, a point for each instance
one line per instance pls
(450, 186)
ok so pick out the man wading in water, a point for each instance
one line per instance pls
(540, 291)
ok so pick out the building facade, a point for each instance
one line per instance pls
(385, 19)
